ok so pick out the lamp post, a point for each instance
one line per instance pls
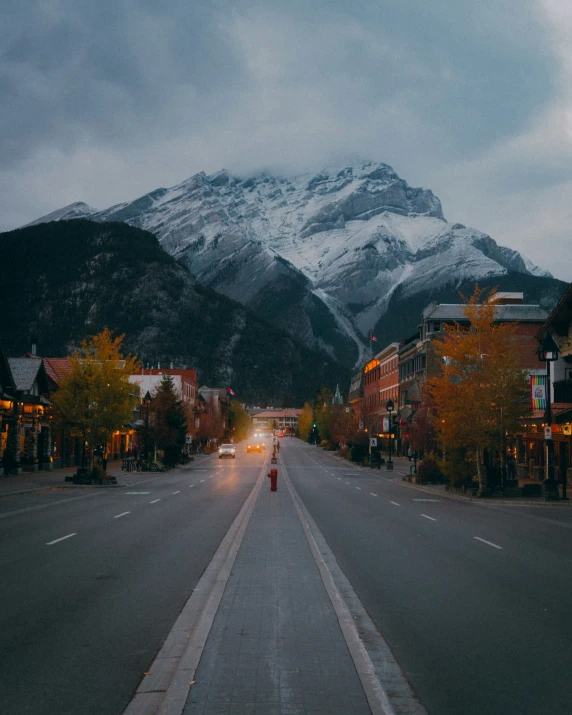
(390, 407)
(548, 352)
(147, 403)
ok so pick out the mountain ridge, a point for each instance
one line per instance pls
(319, 254)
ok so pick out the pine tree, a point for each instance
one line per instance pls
(169, 421)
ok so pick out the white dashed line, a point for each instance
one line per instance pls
(191, 486)
(490, 543)
(123, 514)
(372, 494)
(347, 482)
(202, 480)
(55, 541)
(211, 476)
(154, 501)
(394, 502)
(358, 488)
(339, 479)
(177, 492)
(428, 517)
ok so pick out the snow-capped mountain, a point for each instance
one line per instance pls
(318, 254)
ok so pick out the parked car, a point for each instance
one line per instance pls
(226, 450)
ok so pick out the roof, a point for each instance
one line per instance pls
(280, 413)
(25, 372)
(504, 313)
(57, 368)
(392, 347)
(561, 315)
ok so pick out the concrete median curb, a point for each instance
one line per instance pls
(384, 684)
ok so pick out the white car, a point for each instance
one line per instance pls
(226, 450)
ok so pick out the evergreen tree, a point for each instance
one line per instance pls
(169, 423)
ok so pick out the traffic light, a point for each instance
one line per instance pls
(314, 425)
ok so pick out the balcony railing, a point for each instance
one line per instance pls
(563, 391)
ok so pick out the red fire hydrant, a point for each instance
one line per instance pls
(273, 475)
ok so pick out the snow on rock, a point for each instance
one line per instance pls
(321, 254)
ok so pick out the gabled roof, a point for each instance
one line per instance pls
(56, 368)
(560, 317)
(456, 311)
(26, 372)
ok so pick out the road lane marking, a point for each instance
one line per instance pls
(347, 482)
(490, 543)
(339, 479)
(128, 493)
(191, 486)
(202, 480)
(428, 517)
(394, 502)
(154, 501)
(358, 488)
(177, 492)
(211, 476)
(432, 500)
(123, 514)
(372, 494)
(55, 541)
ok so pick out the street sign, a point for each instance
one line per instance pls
(188, 439)
(548, 432)
(566, 429)
(373, 441)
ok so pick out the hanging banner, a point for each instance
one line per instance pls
(538, 392)
(385, 424)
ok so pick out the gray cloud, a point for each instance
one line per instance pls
(103, 101)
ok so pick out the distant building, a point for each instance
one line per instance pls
(184, 382)
(267, 420)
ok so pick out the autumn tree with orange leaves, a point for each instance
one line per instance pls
(481, 393)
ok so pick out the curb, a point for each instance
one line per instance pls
(460, 497)
(388, 676)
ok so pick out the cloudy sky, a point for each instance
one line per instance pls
(104, 101)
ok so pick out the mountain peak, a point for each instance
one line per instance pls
(321, 254)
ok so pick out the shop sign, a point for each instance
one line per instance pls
(548, 432)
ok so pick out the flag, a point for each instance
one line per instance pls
(372, 337)
(230, 391)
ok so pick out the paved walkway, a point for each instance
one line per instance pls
(275, 647)
(402, 467)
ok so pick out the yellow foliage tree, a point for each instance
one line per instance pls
(305, 422)
(481, 393)
(96, 398)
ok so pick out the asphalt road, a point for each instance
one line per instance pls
(474, 601)
(92, 581)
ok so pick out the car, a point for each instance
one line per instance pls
(254, 447)
(226, 450)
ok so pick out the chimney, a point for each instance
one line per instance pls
(171, 364)
(34, 346)
(158, 366)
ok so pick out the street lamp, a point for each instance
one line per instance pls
(390, 407)
(147, 403)
(548, 352)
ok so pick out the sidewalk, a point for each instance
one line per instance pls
(402, 467)
(37, 481)
(275, 646)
